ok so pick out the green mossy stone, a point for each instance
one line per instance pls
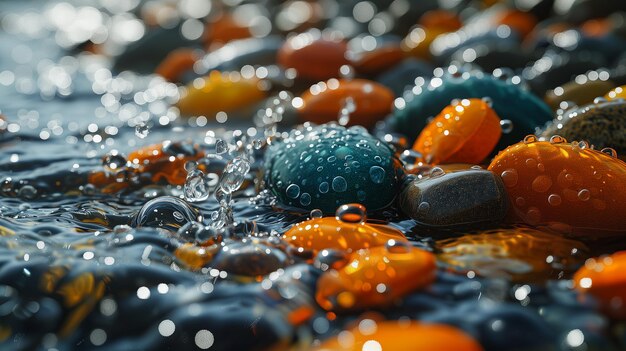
(323, 167)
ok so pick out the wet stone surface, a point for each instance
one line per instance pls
(472, 197)
(326, 166)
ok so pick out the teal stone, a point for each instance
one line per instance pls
(510, 102)
(323, 167)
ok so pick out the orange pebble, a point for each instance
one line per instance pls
(177, 63)
(313, 58)
(597, 27)
(223, 30)
(604, 279)
(401, 336)
(159, 160)
(568, 187)
(520, 254)
(378, 60)
(331, 233)
(194, 256)
(617, 93)
(441, 19)
(464, 132)
(323, 102)
(376, 277)
(522, 22)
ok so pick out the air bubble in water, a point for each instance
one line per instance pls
(351, 213)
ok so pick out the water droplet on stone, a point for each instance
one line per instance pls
(609, 151)
(529, 139)
(423, 207)
(316, 213)
(436, 172)
(554, 200)
(377, 174)
(584, 195)
(557, 139)
(305, 199)
(351, 213)
(339, 184)
(324, 187)
(509, 177)
(292, 191)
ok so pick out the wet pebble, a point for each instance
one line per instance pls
(326, 166)
(456, 199)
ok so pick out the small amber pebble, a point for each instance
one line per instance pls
(604, 279)
(220, 92)
(323, 102)
(566, 186)
(401, 336)
(464, 132)
(617, 93)
(331, 233)
(376, 277)
(520, 254)
(379, 59)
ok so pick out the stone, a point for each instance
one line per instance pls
(376, 277)
(365, 102)
(602, 124)
(219, 92)
(566, 186)
(464, 132)
(509, 101)
(460, 199)
(399, 336)
(519, 254)
(603, 278)
(313, 56)
(578, 93)
(323, 167)
(339, 233)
